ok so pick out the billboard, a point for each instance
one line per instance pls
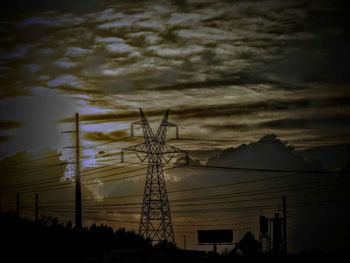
(215, 236)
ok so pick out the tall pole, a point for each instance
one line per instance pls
(270, 234)
(17, 204)
(285, 225)
(36, 207)
(215, 248)
(78, 219)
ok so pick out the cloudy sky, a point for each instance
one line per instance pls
(233, 70)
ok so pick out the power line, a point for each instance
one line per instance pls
(257, 192)
(138, 204)
(87, 173)
(91, 183)
(260, 169)
(24, 171)
(235, 140)
(304, 185)
(113, 174)
(16, 163)
(207, 140)
(229, 209)
(105, 143)
(44, 181)
(293, 205)
(101, 170)
(123, 206)
(136, 222)
(175, 224)
(184, 190)
(57, 155)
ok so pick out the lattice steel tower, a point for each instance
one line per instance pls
(155, 222)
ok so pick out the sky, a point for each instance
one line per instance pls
(230, 70)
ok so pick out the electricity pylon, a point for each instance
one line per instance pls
(155, 221)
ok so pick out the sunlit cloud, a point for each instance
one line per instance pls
(65, 63)
(108, 40)
(119, 48)
(65, 80)
(77, 51)
(115, 24)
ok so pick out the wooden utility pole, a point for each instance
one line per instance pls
(78, 217)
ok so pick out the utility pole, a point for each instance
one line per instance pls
(270, 234)
(185, 242)
(284, 225)
(78, 217)
(277, 233)
(0, 203)
(17, 204)
(36, 207)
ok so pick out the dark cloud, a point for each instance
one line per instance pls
(309, 123)
(4, 138)
(18, 7)
(156, 55)
(6, 124)
(75, 90)
(105, 136)
(267, 153)
(207, 111)
(12, 91)
(313, 122)
(322, 55)
(212, 83)
(106, 117)
(226, 43)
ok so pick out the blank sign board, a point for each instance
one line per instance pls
(215, 236)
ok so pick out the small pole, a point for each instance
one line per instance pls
(36, 207)
(17, 204)
(215, 248)
(78, 218)
(270, 234)
(284, 225)
(185, 242)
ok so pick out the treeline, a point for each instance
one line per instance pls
(50, 241)
(47, 240)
